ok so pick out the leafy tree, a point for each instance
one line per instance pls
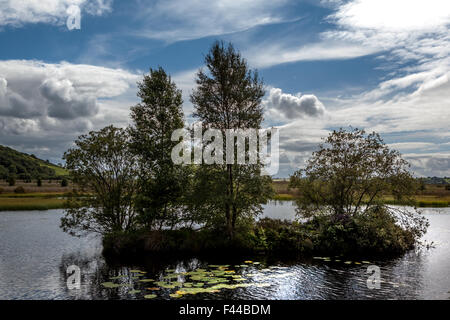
(349, 175)
(102, 164)
(161, 182)
(228, 96)
(11, 181)
(39, 182)
(64, 183)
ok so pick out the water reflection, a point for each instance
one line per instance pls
(35, 255)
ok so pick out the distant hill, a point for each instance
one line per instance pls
(24, 166)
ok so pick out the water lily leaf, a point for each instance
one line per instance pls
(188, 284)
(198, 284)
(175, 295)
(348, 262)
(137, 271)
(154, 289)
(248, 261)
(150, 296)
(146, 280)
(134, 291)
(230, 271)
(365, 262)
(110, 285)
(117, 277)
(357, 262)
(243, 266)
(256, 262)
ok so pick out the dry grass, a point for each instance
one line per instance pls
(14, 204)
(432, 196)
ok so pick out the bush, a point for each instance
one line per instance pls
(375, 232)
(64, 183)
(447, 187)
(39, 182)
(1, 190)
(19, 190)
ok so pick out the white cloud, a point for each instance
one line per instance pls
(279, 104)
(270, 54)
(394, 16)
(175, 20)
(45, 104)
(17, 13)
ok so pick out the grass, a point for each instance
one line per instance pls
(16, 204)
(432, 196)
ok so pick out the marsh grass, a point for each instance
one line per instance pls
(36, 203)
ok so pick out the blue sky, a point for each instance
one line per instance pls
(373, 64)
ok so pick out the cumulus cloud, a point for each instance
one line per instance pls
(17, 13)
(292, 106)
(32, 89)
(44, 105)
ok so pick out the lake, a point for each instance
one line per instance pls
(35, 254)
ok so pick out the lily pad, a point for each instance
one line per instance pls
(175, 295)
(348, 262)
(248, 261)
(154, 289)
(134, 291)
(150, 296)
(110, 285)
(146, 280)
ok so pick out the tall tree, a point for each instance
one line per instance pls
(102, 165)
(228, 96)
(161, 182)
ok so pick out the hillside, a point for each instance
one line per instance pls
(25, 167)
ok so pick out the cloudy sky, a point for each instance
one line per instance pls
(381, 65)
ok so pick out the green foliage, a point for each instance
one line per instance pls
(161, 183)
(102, 164)
(11, 181)
(64, 183)
(19, 190)
(39, 182)
(228, 96)
(25, 167)
(346, 179)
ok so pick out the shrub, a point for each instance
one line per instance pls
(64, 183)
(39, 182)
(19, 190)
(1, 190)
(447, 187)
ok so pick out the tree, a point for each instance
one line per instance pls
(64, 183)
(228, 96)
(39, 182)
(349, 176)
(161, 182)
(11, 181)
(101, 164)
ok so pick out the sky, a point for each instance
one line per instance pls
(378, 65)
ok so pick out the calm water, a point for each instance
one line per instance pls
(35, 253)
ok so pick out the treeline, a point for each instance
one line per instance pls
(21, 166)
